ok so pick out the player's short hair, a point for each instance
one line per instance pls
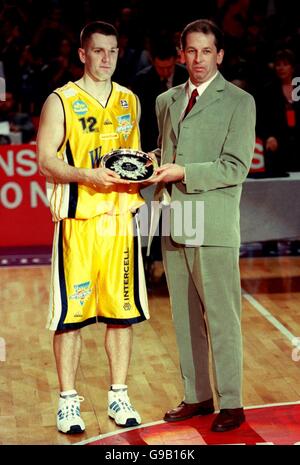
(101, 27)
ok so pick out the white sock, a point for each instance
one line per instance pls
(71, 393)
(118, 387)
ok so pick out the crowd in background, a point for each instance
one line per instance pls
(39, 40)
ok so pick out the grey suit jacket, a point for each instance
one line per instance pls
(215, 144)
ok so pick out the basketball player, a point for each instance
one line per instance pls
(96, 264)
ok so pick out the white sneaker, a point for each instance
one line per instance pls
(121, 410)
(68, 418)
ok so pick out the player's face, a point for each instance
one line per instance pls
(100, 56)
(201, 56)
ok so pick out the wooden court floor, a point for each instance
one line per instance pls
(28, 382)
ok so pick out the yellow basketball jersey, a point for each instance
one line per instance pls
(91, 131)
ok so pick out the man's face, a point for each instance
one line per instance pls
(100, 56)
(201, 57)
(164, 68)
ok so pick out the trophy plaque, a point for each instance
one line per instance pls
(129, 164)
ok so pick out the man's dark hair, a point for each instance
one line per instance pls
(101, 27)
(205, 26)
(163, 51)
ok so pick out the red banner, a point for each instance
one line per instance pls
(25, 218)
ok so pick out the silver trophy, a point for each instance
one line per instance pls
(129, 164)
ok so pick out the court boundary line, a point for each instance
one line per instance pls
(159, 422)
(269, 316)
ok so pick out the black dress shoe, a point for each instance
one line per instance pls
(227, 419)
(185, 411)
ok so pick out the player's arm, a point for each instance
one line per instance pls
(50, 136)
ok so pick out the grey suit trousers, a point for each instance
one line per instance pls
(205, 293)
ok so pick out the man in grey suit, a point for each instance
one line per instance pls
(207, 135)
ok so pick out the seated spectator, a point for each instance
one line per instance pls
(278, 116)
(18, 122)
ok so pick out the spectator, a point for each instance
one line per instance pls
(18, 122)
(152, 81)
(279, 115)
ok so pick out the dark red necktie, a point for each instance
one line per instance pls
(192, 102)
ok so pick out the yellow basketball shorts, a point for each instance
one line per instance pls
(97, 273)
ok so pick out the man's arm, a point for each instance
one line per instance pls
(49, 139)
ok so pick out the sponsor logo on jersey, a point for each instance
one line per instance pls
(125, 125)
(82, 292)
(107, 122)
(126, 305)
(80, 107)
(109, 136)
(124, 103)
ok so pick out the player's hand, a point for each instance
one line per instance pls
(104, 177)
